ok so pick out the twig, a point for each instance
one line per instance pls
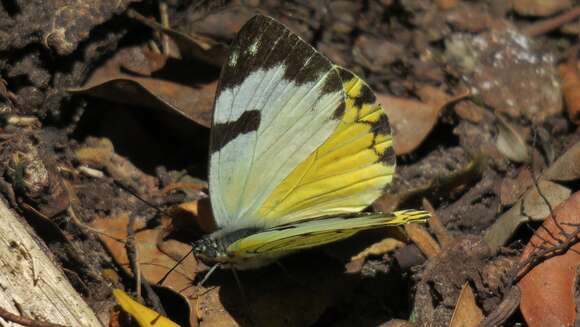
(75, 219)
(164, 17)
(437, 226)
(26, 321)
(504, 310)
(535, 180)
(550, 24)
(133, 256)
(544, 254)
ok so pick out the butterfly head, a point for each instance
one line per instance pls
(210, 250)
(217, 248)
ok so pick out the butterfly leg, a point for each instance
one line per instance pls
(244, 297)
(209, 273)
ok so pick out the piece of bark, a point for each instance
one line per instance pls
(31, 284)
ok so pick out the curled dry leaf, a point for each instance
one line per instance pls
(510, 142)
(466, 313)
(191, 99)
(532, 207)
(412, 120)
(548, 289)
(571, 90)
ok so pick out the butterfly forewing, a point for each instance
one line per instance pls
(277, 102)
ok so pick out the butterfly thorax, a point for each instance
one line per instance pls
(213, 249)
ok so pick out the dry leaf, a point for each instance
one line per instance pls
(510, 142)
(446, 4)
(191, 98)
(466, 313)
(376, 53)
(548, 289)
(511, 189)
(189, 46)
(412, 120)
(571, 90)
(532, 207)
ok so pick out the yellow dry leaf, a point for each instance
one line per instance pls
(145, 317)
(382, 247)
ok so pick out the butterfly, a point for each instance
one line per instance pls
(299, 147)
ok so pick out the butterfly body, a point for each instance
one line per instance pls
(299, 147)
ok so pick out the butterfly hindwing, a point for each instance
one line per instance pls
(278, 100)
(283, 239)
(347, 172)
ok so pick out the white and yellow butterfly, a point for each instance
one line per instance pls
(299, 147)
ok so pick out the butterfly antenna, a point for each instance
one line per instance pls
(162, 280)
(133, 193)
